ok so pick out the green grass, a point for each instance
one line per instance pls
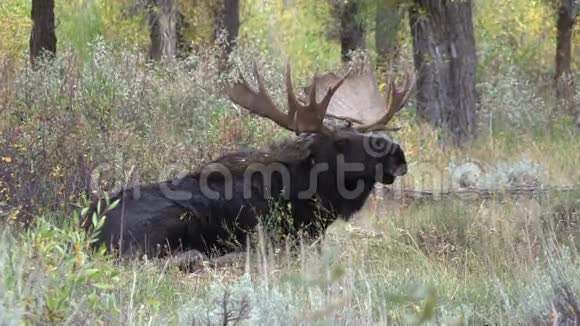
(449, 262)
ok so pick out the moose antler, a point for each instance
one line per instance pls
(360, 101)
(300, 118)
(395, 101)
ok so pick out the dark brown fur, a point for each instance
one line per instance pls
(155, 222)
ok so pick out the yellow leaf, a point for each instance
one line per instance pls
(7, 159)
(14, 214)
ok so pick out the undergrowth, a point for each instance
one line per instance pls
(457, 263)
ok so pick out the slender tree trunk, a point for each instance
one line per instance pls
(564, 78)
(184, 46)
(445, 60)
(228, 22)
(387, 22)
(42, 37)
(352, 31)
(163, 29)
(227, 25)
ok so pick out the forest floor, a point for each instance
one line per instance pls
(500, 261)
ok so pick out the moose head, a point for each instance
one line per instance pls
(353, 98)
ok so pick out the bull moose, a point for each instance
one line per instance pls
(326, 172)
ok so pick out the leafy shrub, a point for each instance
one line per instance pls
(524, 173)
(517, 33)
(551, 295)
(71, 123)
(15, 28)
(243, 302)
(510, 101)
(50, 277)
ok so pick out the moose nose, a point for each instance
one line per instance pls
(400, 171)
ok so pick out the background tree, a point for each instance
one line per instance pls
(228, 22)
(445, 60)
(388, 14)
(42, 37)
(163, 19)
(564, 78)
(352, 32)
(184, 45)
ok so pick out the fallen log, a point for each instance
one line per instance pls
(473, 193)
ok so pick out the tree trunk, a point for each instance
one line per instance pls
(163, 29)
(445, 60)
(184, 46)
(352, 31)
(387, 22)
(42, 37)
(564, 78)
(228, 22)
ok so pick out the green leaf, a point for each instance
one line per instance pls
(103, 286)
(114, 204)
(95, 219)
(90, 271)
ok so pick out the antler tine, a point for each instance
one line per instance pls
(260, 102)
(309, 117)
(399, 98)
(331, 90)
(300, 118)
(293, 103)
(395, 101)
(402, 96)
(259, 79)
(313, 94)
